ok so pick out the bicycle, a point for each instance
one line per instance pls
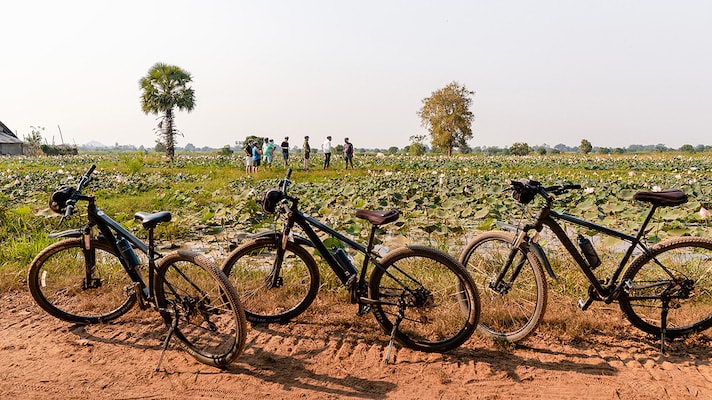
(664, 291)
(422, 297)
(93, 277)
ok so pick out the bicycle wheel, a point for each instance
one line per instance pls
(250, 269)
(514, 311)
(435, 294)
(65, 282)
(197, 299)
(679, 270)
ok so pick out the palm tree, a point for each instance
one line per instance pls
(165, 88)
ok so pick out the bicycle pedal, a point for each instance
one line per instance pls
(627, 286)
(363, 310)
(584, 304)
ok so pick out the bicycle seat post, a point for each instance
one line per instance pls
(151, 245)
(371, 238)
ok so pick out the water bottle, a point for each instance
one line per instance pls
(127, 252)
(346, 267)
(589, 252)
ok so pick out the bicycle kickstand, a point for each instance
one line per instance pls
(174, 325)
(396, 323)
(663, 325)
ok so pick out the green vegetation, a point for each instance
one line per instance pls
(446, 114)
(165, 88)
(443, 200)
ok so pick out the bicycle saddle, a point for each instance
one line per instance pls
(150, 221)
(378, 217)
(670, 197)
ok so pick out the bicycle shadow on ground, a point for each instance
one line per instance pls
(150, 336)
(295, 373)
(603, 355)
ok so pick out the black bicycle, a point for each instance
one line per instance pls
(421, 296)
(665, 291)
(94, 276)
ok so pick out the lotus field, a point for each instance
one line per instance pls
(444, 201)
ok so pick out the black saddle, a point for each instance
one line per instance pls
(378, 217)
(670, 197)
(149, 221)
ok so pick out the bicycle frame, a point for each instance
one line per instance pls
(110, 230)
(307, 224)
(548, 217)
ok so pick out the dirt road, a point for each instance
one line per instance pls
(330, 353)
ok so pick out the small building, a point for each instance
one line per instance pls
(9, 143)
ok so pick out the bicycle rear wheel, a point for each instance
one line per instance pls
(511, 312)
(434, 292)
(680, 271)
(82, 286)
(251, 268)
(196, 298)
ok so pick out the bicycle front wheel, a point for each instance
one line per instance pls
(198, 301)
(80, 285)
(679, 272)
(272, 288)
(430, 293)
(512, 311)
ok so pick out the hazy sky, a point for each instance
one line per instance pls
(615, 72)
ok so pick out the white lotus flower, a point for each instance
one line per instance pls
(631, 173)
(588, 190)
(657, 188)
(705, 213)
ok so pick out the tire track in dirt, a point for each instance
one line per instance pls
(328, 353)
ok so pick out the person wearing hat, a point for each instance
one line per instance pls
(326, 148)
(285, 150)
(307, 150)
(348, 153)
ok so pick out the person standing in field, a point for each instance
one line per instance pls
(285, 150)
(248, 157)
(256, 157)
(267, 149)
(326, 148)
(307, 151)
(348, 153)
(274, 148)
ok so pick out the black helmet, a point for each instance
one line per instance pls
(270, 200)
(58, 200)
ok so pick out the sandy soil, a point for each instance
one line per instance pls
(331, 353)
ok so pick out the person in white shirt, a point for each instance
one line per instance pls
(326, 148)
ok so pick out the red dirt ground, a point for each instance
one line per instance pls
(330, 353)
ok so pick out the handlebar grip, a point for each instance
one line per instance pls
(86, 177)
(70, 208)
(285, 182)
(573, 186)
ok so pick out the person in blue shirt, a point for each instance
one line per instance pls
(256, 156)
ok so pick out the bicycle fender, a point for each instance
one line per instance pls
(72, 233)
(539, 252)
(277, 237)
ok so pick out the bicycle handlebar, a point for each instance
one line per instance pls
(72, 201)
(533, 186)
(286, 181)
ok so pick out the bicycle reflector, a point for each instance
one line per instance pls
(58, 200)
(270, 200)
